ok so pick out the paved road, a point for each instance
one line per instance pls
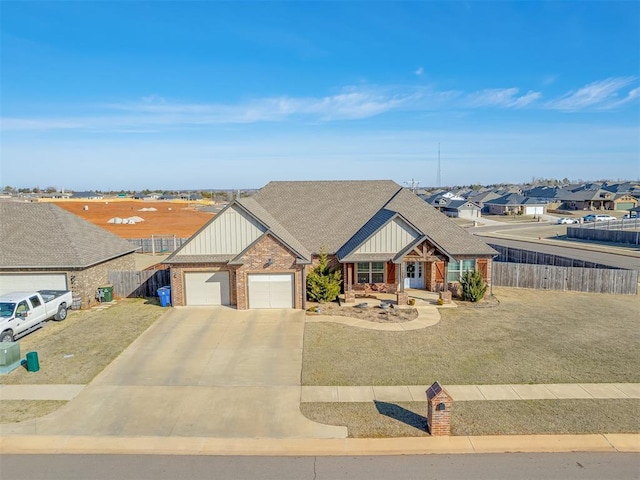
(203, 372)
(566, 466)
(613, 260)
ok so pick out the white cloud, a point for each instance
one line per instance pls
(153, 112)
(501, 97)
(602, 94)
(419, 71)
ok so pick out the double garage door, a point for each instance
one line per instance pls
(30, 282)
(263, 291)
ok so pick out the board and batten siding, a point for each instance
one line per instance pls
(229, 233)
(392, 238)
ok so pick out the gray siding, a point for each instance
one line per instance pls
(229, 233)
(392, 238)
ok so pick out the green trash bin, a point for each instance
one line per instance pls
(106, 293)
(33, 365)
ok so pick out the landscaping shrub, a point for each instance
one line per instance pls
(323, 285)
(473, 287)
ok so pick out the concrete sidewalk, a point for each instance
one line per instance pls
(402, 393)
(39, 392)
(465, 393)
(136, 445)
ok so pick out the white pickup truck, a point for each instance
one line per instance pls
(23, 312)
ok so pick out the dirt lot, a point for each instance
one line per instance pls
(169, 218)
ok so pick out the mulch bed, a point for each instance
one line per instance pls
(371, 313)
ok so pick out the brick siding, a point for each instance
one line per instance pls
(255, 261)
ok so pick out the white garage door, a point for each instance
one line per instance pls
(533, 210)
(271, 291)
(207, 288)
(13, 282)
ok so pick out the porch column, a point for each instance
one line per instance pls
(402, 297)
(349, 293)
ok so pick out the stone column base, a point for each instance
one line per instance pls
(445, 297)
(350, 296)
(403, 298)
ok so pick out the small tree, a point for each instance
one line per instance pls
(473, 287)
(323, 285)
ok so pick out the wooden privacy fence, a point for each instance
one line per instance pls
(144, 283)
(628, 237)
(549, 277)
(518, 255)
(158, 244)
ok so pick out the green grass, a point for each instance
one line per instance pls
(371, 420)
(531, 337)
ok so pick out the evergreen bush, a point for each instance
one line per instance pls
(473, 287)
(323, 285)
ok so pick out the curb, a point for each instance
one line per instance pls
(35, 444)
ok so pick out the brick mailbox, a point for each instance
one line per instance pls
(439, 404)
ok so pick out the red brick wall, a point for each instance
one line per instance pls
(177, 279)
(255, 261)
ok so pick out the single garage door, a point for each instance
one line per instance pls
(271, 291)
(625, 205)
(206, 288)
(13, 282)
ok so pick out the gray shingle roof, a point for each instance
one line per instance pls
(43, 235)
(274, 226)
(330, 213)
(339, 215)
(325, 213)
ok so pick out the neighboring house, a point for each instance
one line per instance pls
(87, 195)
(598, 199)
(55, 195)
(46, 247)
(461, 209)
(454, 206)
(145, 196)
(543, 194)
(190, 196)
(515, 204)
(257, 252)
(482, 198)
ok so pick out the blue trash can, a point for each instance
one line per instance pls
(165, 296)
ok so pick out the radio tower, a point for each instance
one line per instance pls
(438, 179)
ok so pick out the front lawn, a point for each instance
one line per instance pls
(76, 350)
(532, 336)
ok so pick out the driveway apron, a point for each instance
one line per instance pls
(205, 372)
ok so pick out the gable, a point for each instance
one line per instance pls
(229, 233)
(391, 238)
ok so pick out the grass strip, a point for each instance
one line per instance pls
(519, 417)
(13, 411)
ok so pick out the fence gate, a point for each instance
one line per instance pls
(142, 283)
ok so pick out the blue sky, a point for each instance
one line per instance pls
(181, 94)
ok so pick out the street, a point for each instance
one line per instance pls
(566, 466)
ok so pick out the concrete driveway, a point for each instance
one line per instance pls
(204, 372)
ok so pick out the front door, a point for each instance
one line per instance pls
(413, 274)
